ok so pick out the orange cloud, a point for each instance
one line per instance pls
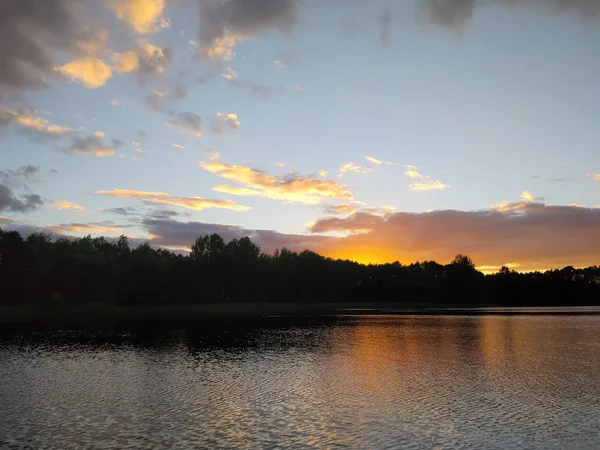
(91, 72)
(423, 183)
(125, 62)
(292, 187)
(161, 198)
(84, 228)
(68, 205)
(30, 120)
(143, 16)
(533, 237)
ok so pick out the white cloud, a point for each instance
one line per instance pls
(424, 182)
(351, 167)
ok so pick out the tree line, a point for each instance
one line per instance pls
(38, 268)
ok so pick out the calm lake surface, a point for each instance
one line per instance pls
(495, 381)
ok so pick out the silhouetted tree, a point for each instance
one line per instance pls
(39, 269)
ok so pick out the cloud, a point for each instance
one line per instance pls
(291, 187)
(152, 59)
(161, 198)
(223, 24)
(213, 156)
(143, 16)
(280, 164)
(355, 207)
(230, 74)
(456, 14)
(187, 122)
(352, 168)
(231, 118)
(92, 145)
(595, 177)
(385, 24)
(116, 102)
(19, 176)
(29, 121)
(298, 88)
(155, 99)
(535, 236)
(91, 72)
(423, 183)
(87, 228)
(33, 33)
(526, 196)
(121, 211)
(145, 60)
(23, 204)
(125, 62)
(176, 234)
(516, 207)
(378, 162)
(344, 208)
(68, 205)
(178, 146)
(541, 236)
(322, 173)
(225, 121)
(283, 61)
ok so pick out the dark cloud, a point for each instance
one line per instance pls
(172, 233)
(456, 14)
(116, 143)
(178, 92)
(11, 203)
(385, 24)
(260, 90)
(90, 145)
(526, 233)
(121, 211)
(164, 214)
(154, 62)
(187, 122)
(18, 176)
(158, 97)
(31, 34)
(244, 18)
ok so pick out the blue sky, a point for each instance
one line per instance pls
(488, 109)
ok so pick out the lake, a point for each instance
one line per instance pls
(443, 382)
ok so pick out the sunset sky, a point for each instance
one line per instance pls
(362, 129)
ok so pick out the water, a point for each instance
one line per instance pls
(356, 382)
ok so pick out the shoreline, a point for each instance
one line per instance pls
(93, 313)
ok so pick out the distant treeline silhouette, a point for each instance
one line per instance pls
(39, 269)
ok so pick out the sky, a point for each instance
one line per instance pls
(371, 130)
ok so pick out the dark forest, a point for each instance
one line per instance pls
(38, 269)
